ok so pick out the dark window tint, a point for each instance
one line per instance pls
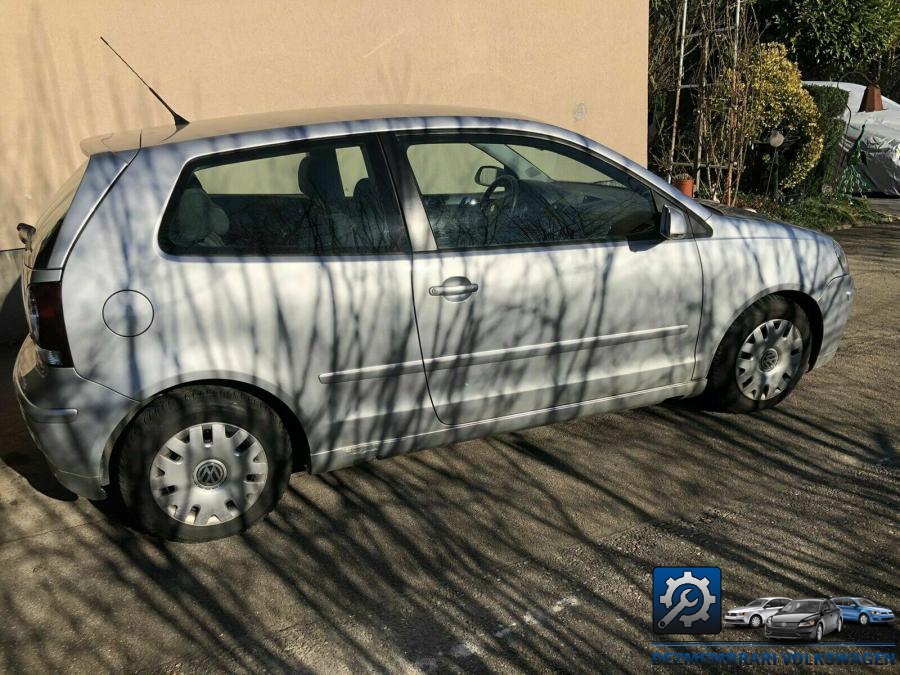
(497, 190)
(316, 199)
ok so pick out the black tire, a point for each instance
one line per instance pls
(820, 632)
(722, 390)
(840, 624)
(863, 619)
(173, 412)
(758, 619)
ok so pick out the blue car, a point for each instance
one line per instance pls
(863, 610)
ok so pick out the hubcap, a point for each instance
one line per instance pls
(208, 474)
(769, 359)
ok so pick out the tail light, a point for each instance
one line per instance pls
(45, 318)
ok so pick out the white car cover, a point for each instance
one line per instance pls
(878, 134)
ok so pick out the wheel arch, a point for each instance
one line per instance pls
(816, 322)
(296, 429)
(796, 295)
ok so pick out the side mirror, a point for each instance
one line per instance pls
(673, 224)
(486, 175)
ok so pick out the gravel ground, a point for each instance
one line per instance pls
(529, 551)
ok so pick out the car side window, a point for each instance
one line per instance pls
(496, 190)
(317, 198)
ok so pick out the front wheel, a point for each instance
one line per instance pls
(819, 633)
(761, 358)
(840, 624)
(755, 621)
(202, 463)
(863, 619)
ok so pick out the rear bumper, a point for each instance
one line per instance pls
(70, 420)
(835, 304)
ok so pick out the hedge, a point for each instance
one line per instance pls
(832, 103)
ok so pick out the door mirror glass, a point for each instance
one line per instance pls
(486, 175)
(673, 224)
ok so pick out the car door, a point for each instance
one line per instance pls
(831, 613)
(542, 280)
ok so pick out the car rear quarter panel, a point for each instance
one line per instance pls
(277, 324)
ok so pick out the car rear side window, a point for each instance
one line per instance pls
(317, 198)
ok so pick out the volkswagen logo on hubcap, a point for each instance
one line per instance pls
(210, 474)
(769, 360)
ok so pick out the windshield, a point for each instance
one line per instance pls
(801, 607)
(759, 602)
(865, 602)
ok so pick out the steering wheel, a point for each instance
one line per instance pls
(492, 207)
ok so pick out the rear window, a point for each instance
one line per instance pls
(317, 198)
(50, 222)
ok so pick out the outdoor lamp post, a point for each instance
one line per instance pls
(776, 140)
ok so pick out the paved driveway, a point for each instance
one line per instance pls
(525, 551)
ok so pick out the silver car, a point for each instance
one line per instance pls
(216, 304)
(754, 614)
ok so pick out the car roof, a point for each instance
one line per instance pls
(410, 116)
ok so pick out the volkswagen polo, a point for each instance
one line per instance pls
(215, 304)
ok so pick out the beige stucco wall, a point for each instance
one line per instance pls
(581, 64)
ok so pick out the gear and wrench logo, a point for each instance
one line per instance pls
(688, 596)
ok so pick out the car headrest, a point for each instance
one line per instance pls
(197, 217)
(318, 176)
(364, 191)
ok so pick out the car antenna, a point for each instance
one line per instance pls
(179, 120)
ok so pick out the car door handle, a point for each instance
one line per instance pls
(454, 286)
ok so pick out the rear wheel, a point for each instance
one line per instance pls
(201, 463)
(761, 358)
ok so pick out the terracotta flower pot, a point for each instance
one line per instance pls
(685, 184)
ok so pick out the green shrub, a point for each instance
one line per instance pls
(822, 212)
(777, 100)
(831, 103)
(830, 100)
